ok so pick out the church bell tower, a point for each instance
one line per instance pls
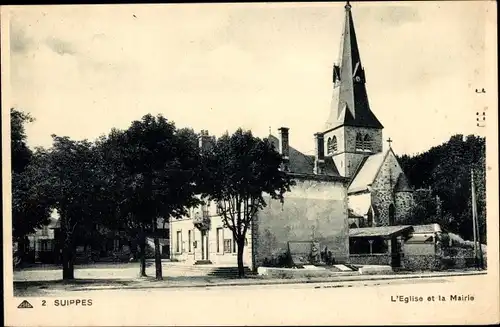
(352, 131)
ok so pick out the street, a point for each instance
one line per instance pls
(355, 302)
(47, 282)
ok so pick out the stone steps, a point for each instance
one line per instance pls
(228, 271)
(201, 270)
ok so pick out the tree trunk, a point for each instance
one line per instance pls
(159, 275)
(241, 268)
(68, 259)
(142, 252)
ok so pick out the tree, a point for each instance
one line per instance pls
(239, 170)
(77, 186)
(158, 166)
(29, 209)
(446, 170)
(425, 209)
(21, 154)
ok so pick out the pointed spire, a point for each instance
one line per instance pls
(350, 104)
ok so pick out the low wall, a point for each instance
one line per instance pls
(272, 272)
(370, 259)
(436, 262)
(421, 262)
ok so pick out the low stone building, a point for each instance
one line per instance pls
(415, 247)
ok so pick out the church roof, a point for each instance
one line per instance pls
(300, 163)
(367, 172)
(350, 106)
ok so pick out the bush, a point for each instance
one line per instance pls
(283, 260)
(447, 262)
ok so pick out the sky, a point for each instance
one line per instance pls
(82, 70)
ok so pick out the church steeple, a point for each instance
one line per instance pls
(350, 105)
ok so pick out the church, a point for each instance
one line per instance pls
(349, 183)
(379, 192)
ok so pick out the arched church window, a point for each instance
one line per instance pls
(359, 142)
(367, 143)
(329, 148)
(334, 144)
(369, 218)
(392, 213)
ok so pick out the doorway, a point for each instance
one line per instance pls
(204, 245)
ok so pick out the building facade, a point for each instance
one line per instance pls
(213, 244)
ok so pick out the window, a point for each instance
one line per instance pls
(329, 147)
(367, 143)
(359, 142)
(369, 218)
(391, 214)
(45, 231)
(178, 242)
(235, 246)
(219, 208)
(336, 74)
(116, 244)
(204, 210)
(190, 241)
(334, 144)
(219, 239)
(44, 245)
(227, 246)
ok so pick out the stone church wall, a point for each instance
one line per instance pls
(316, 208)
(382, 191)
(404, 203)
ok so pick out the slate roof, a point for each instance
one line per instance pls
(352, 108)
(367, 172)
(382, 231)
(300, 163)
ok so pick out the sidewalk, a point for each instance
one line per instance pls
(204, 282)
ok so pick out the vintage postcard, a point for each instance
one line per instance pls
(330, 163)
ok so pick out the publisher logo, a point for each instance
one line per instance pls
(25, 305)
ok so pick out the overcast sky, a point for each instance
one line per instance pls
(81, 70)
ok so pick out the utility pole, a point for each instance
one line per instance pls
(475, 225)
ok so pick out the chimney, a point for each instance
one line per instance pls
(205, 140)
(319, 161)
(284, 147)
